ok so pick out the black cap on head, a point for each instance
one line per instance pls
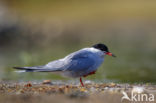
(101, 47)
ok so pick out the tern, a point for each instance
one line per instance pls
(78, 64)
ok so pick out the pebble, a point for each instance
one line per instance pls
(46, 82)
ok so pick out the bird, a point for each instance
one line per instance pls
(81, 63)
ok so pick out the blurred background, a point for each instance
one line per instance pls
(34, 32)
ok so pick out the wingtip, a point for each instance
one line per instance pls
(17, 67)
(14, 67)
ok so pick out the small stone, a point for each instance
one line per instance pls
(46, 82)
(83, 90)
(28, 85)
(112, 85)
(20, 91)
(137, 89)
(88, 82)
(92, 89)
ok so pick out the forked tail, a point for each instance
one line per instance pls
(35, 69)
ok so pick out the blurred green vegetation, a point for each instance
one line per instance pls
(34, 32)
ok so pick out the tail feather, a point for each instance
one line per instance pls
(35, 69)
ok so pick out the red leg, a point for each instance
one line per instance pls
(81, 82)
(93, 72)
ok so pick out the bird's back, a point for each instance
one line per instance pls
(82, 62)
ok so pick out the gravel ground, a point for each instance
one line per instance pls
(57, 92)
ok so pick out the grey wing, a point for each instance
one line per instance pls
(78, 61)
(81, 61)
(58, 65)
(54, 66)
